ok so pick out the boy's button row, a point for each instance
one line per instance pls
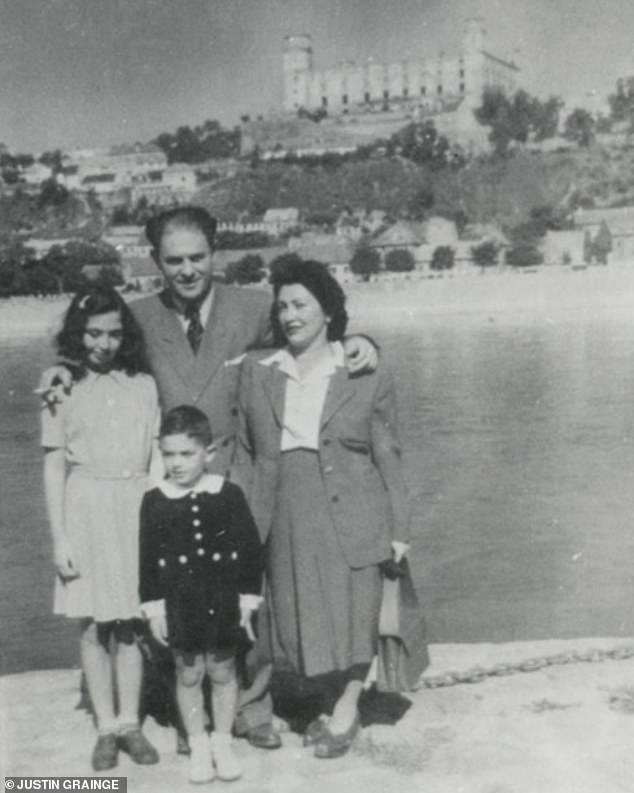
(195, 508)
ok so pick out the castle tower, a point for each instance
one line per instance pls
(472, 65)
(298, 66)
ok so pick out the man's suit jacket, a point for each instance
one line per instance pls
(359, 453)
(239, 321)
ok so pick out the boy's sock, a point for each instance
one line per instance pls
(200, 766)
(227, 765)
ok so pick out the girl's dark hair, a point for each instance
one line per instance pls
(181, 217)
(89, 303)
(187, 420)
(314, 277)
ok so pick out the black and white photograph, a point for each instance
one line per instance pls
(316, 405)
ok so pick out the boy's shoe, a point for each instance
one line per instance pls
(227, 765)
(315, 730)
(132, 741)
(105, 753)
(201, 769)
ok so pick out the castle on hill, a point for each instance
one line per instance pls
(428, 84)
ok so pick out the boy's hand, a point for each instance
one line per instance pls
(361, 354)
(158, 626)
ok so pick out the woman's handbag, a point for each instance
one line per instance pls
(402, 651)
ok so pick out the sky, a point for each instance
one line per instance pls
(88, 73)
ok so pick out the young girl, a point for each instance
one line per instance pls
(97, 452)
(201, 567)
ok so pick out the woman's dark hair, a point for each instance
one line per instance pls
(89, 303)
(181, 217)
(187, 420)
(315, 278)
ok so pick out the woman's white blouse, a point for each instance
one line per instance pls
(305, 397)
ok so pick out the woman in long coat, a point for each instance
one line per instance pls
(321, 462)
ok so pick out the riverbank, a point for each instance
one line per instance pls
(516, 295)
(566, 728)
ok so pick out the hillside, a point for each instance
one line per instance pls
(486, 189)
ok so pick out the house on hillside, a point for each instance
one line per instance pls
(40, 246)
(563, 247)
(334, 251)
(128, 240)
(279, 220)
(402, 235)
(141, 274)
(620, 223)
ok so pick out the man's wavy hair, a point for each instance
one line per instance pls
(181, 217)
(316, 279)
(89, 303)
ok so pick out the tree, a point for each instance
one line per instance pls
(443, 258)
(579, 127)
(588, 250)
(247, 270)
(518, 117)
(365, 262)
(602, 243)
(485, 254)
(400, 260)
(546, 121)
(622, 101)
(109, 276)
(421, 202)
(523, 255)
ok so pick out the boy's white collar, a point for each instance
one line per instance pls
(208, 483)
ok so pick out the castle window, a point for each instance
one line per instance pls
(324, 101)
(405, 93)
(386, 94)
(439, 90)
(366, 96)
(462, 88)
(461, 72)
(423, 90)
(344, 99)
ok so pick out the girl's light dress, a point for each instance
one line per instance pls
(106, 427)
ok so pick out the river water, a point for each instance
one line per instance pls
(518, 433)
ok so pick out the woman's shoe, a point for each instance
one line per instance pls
(315, 730)
(336, 745)
(106, 752)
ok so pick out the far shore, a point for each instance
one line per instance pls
(543, 293)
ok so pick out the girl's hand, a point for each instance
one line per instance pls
(158, 626)
(64, 563)
(399, 549)
(248, 604)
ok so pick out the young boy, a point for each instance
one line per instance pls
(200, 581)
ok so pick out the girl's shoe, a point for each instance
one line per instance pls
(105, 753)
(201, 769)
(336, 745)
(227, 765)
(132, 741)
(315, 730)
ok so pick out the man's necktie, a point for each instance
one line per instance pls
(194, 327)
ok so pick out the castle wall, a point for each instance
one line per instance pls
(419, 82)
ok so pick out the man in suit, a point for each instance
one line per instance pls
(195, 332)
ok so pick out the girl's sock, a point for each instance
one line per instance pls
(227, 765)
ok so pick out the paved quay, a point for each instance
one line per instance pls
(567, 727)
